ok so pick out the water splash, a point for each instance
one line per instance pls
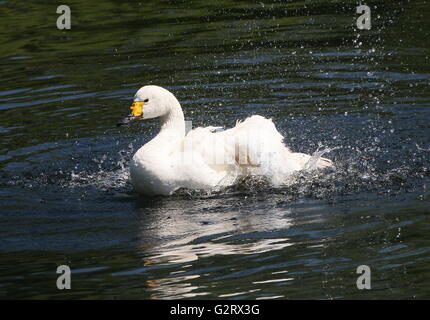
(111, 173)
(356, 169)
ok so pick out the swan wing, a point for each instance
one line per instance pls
(244, 145)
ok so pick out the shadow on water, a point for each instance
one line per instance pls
(64, 187)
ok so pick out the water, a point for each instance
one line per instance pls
(360, 94)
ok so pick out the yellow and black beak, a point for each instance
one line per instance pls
(136, 113)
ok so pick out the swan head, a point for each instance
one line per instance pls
(150, 102)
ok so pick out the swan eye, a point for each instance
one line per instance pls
(146, 100)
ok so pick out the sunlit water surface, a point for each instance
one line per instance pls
(65, 197)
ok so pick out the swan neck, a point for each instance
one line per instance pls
(173, 122)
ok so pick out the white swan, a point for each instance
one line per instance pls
(206, 158)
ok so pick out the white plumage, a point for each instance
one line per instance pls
(207, 158)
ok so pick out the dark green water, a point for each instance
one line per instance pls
(64, 191)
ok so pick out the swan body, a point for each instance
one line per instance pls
(206, 158)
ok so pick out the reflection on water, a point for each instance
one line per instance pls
(203, 240)
(193, 242)
(64, 190)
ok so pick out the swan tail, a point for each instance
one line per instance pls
(324, 163)
(300, 161)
